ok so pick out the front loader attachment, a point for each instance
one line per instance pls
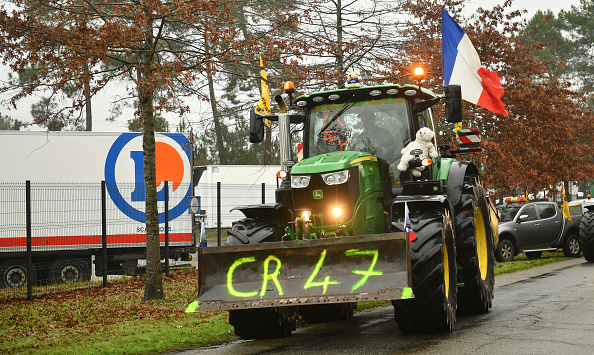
(304, 272)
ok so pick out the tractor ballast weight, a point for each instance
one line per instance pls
(347, 226)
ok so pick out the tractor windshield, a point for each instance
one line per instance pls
(379, 127)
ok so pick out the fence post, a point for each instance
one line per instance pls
(218, 213)
(104, 232)
(167, 228)
(29, 246)
(263, 193)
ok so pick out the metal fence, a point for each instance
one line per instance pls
(57, 236)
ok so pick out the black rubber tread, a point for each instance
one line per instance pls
(477, 294)
(532, 255)
(263, 323)
(7, 267)
(431, 310)
(320, 313)
(506, 251)
(260, 323)
(254, 230)
(571, 246)
(77, 270)
(587, 235)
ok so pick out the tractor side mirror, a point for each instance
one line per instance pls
(453, 103)
(256, 127)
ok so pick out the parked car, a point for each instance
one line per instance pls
(534, 227)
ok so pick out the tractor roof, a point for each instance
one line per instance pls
(364, 93)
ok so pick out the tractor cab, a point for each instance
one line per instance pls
(379, 120)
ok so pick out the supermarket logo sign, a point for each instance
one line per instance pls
(124, 174)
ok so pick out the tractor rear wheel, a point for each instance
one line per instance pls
(260, 323)
(587, 235)
(433, 267)
(474, 251)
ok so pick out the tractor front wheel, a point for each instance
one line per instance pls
(474, 251)
(260, 323)
(433, 267)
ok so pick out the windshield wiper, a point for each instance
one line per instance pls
(347, 105)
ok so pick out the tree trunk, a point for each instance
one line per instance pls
(217, 122)
(340, 70)
(87, 90)
(153, 287)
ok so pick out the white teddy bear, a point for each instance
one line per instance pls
(422, 142)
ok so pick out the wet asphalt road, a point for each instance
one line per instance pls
(544, 310)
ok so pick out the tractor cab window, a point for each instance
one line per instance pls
(379, 127)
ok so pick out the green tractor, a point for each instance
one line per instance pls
(348, 226)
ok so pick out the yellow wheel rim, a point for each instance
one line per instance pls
(481, 242)
(446, 270)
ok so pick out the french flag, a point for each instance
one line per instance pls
(407, 227)
(462, 66)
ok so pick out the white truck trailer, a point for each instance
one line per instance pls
(65, 171)
(240, 185)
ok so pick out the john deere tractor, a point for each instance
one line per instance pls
(349, 227)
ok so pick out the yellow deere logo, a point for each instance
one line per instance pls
(318, 194)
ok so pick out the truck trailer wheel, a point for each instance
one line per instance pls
(474, 251)
(433, 267)
(262, 323)
(320, 313)
(14, 274)
(67, 271)
(587, 235)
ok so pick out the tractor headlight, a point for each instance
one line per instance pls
(300, 181)
(336, 177)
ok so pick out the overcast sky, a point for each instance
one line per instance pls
(100, 104)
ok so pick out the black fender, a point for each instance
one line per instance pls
(458, 171)
(269, 210)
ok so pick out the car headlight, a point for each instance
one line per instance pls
(300, 181)
(336, 177)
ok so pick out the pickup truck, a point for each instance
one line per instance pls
(534, 227)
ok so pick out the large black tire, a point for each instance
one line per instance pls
(14, 274)
(67, 271)
(433, 267)
(320, 313)
(505, 250)
(474, 251)
(260, 323)
(571, 247)
(254, 230)
(587, 235)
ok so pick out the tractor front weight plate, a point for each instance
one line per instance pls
(303, 272)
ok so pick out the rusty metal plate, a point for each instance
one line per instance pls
(315, 271)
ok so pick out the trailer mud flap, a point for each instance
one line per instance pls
(304, 272)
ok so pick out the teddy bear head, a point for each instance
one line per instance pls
(353, 80)
(425, 135)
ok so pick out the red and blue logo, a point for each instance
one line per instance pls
(124, 174)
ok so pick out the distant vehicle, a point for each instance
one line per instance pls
(63, 244)
(583, 203)
(534, 227)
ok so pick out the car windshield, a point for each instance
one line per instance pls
(507, 213)
(379, 127)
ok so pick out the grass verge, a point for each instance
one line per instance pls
(113, 320)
